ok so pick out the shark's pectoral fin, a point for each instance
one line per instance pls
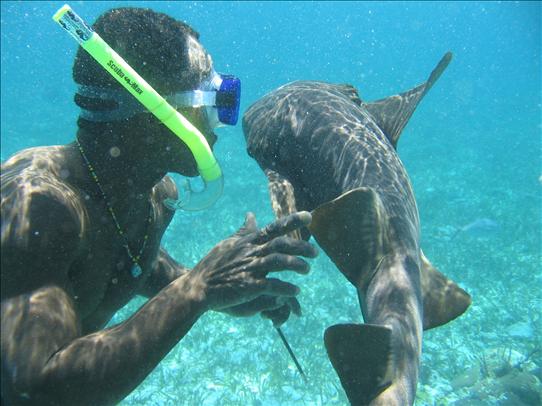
(283, 200)
(352, 230)
(362, 357)
(393, 113)
(443, 299)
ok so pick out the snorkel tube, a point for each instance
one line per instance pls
(113, 63)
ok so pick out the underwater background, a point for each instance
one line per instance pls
(472, 150)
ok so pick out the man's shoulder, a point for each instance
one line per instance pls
(34, 194)
(43, 220)
(35, 157)
(33, 166)
(38, 171)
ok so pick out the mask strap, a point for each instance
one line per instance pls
(127, 105)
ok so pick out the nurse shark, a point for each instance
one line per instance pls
(325, 150)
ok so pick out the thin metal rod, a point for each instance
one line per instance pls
(291, 354)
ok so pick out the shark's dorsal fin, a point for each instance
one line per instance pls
(362, 357)
(443, 300)
(392, 113)
(350, 91)
(352, 230)
(283, 200)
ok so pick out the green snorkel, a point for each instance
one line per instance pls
(118, 68)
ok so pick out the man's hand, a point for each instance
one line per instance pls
(275, 308)
(234, 275)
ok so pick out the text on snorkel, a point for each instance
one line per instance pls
(132, 83)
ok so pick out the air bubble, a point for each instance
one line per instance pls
(114, 152)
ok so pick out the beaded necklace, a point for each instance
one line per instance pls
(136, 270)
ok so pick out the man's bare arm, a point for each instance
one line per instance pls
(46, 361)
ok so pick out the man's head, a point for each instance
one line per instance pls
(168, 55)
(166, 52)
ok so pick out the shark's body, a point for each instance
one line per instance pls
(326, 151)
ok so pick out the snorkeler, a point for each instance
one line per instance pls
(82, 225)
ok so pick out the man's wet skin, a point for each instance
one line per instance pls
(65, 271)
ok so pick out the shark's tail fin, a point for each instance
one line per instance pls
(392, 113)
(443, 299)
(362, 357)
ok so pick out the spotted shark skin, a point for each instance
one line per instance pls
(326, 151)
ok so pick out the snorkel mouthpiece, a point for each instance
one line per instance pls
(113, 63)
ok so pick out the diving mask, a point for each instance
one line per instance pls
(219, 94)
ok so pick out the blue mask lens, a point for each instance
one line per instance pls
(228, 98)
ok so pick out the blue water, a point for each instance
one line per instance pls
(472, 150)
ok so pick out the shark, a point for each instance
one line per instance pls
(325, 150)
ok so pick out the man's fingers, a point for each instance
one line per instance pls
(262, 303)
(276, 287)
(250, 224)
(289, 246)
(279, 262)
(294, 306)
(283, 226)
(250, 220)
(267, 303)
(277, 316)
